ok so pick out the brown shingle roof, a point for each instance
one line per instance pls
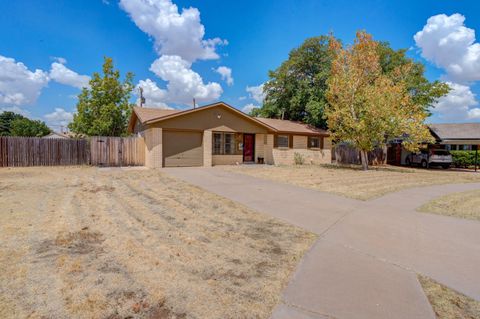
(459, 131)
(148, 113)
(291, 126)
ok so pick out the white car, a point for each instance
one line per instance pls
(427, 158)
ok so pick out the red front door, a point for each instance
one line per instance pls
(248, 147)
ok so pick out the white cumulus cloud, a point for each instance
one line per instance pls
(179, 41)
(450, 45)
(15, 109)
(225, 73)
(59, 117)
(61, 74)
(18, 85)
(154, 96)
(174, 32)
(458, 105)
(183, 84)
(256, 93)
(249, 107)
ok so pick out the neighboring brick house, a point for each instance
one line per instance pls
(218, 134)
(450, 136)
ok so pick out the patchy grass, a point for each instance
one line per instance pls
(351, 181)
(462, 205)
(448, 303)
(86, 243)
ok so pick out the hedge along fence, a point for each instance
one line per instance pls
(464, 158)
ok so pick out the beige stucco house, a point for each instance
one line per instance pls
(219, 134)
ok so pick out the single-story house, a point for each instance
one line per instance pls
(450, 136)
(456, 136)
(219, 134)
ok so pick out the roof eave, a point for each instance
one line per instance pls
(131, 122)
(326, 134)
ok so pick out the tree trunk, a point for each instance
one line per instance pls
(364, 158)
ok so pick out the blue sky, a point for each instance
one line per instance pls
(156, 40)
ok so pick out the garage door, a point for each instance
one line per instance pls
(182, 149)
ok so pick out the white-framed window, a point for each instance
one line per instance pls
(282, 140)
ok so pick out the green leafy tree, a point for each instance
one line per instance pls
(104, 108)
(422, 91)
(366, 107)
(26, 127)
(6, 119)
(297, 89)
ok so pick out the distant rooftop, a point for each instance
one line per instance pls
(456, 131)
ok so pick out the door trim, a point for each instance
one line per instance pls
(253, 148)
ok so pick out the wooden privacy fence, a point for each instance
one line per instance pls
(101, 151)
(35, 151)
(117, 151)
(346, 154)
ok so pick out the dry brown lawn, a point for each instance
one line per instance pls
(352, 181)
(85, 243)
(448, 303)
(462, 205)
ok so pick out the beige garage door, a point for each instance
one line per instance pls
(182, 149)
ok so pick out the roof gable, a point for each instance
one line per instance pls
(152, 115)
(155, 115)
(456, 131)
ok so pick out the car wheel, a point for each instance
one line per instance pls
(446, 166)
(424, 164)
(407, 162)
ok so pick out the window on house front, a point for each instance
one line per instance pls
(282, 140)
(217, 143)
(229, 144)
(313, 142)
(226, 143)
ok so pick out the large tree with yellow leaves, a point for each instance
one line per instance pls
(366, 107)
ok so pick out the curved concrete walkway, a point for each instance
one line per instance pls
(366, 259)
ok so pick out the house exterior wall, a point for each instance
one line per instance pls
(207, 148)
(213, 119)
(153, 147)
(138, 128)
(300, 141)
(226, 159)
(268, 150)
(259, 146)
(285, 156)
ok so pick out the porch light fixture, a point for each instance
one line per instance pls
(219, 116)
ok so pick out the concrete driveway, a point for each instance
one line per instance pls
(366, 259)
